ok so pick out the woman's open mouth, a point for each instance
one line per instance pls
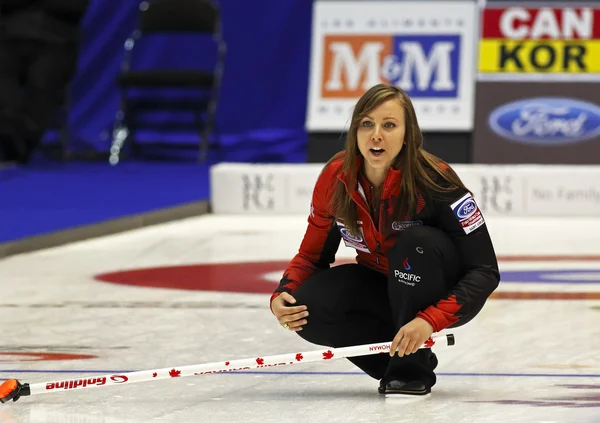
(376, 151)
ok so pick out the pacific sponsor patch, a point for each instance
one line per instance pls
(353, 241)
(467, 213)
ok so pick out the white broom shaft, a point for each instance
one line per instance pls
(224, 366)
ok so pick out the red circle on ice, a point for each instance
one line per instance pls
(223, 277)
(21, 357)
(252, 277)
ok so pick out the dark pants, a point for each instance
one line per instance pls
(352, 305)
(34, 75)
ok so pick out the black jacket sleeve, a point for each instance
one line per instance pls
(458, 215)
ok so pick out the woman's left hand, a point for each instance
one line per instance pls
(411, 336)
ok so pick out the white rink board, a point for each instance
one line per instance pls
(502, 190)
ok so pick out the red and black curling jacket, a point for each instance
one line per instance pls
(455, 213)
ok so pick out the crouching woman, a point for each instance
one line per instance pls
(425, 261)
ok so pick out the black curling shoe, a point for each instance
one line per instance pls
(411, 387)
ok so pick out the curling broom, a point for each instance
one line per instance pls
(13, 389)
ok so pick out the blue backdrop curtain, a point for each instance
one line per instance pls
(263, 99)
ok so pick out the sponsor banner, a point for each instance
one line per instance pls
(425, 48)
(563, 196)
(540, 40)
(533, 190)
(542, 122)
(498, 190)
(262, 189)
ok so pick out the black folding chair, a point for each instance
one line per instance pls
(197, 17)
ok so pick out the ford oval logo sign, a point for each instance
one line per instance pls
(546, 121)
(466, 209)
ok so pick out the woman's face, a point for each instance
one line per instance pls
(380, 135)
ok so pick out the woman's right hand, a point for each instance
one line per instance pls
(290, 317)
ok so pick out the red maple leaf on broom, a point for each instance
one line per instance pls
(174, 373)
(299, 357)
(260, 361)
(154, 374)
(429, 343)
(227, 363)
(327, 355)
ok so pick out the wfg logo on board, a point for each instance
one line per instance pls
(425, 66)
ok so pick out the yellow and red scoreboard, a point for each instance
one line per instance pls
(540, 40)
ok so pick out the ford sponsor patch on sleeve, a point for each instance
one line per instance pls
(467, 212)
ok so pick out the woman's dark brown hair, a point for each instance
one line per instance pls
(416, 163)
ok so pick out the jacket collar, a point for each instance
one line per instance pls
(391, 184)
